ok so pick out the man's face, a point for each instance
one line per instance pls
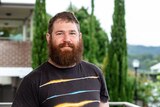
(65, 43)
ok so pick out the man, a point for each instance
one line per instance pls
(64, 80)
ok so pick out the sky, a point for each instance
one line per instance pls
(142, 17)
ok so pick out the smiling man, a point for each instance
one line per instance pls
(65, 80)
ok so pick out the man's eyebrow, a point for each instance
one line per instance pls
(72, 30)
(59, 31)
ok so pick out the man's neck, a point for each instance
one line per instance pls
(58, 66)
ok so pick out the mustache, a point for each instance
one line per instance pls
(66, 44)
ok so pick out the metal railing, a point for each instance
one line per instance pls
(125, 104)
(5, 104)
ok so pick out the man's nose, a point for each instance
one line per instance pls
(66, 37)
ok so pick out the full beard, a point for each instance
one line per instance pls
(66, 57)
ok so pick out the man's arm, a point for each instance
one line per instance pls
(104, 104)
(26, 95)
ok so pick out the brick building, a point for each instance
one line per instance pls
(15, 50)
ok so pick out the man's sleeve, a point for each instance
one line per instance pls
(104, 96)
(26, 95)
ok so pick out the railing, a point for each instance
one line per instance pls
(125, 104)
(5, 104)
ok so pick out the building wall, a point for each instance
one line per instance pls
(15, 53)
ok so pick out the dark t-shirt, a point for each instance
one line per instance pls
(48, 86)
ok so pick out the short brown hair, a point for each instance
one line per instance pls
(66, 16)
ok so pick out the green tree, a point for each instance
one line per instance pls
(102, 41)
(114, 67)
(39, 49)
(130, 86)
(93, 48)
(116, 70)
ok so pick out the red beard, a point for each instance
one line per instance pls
(67, 57)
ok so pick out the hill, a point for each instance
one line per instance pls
(147, 56)
(139, 50)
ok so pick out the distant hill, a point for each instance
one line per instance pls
(139, 50)
(147, 55)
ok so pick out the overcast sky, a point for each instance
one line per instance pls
(142, 17)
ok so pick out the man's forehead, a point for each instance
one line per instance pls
(60, 21)
(63, 20)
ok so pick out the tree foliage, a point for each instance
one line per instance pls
(116, 69)
(39, 48)
(93, 48)
(146, 60)
(149, 91)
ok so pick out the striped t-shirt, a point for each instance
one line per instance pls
(48, 86)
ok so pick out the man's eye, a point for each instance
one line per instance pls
(72, 33)
(59, 33)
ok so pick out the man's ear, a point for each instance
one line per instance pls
(80, 35)
(48, 37)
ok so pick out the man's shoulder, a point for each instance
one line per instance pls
(37, 71)
(90, 65)
(87, 63)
